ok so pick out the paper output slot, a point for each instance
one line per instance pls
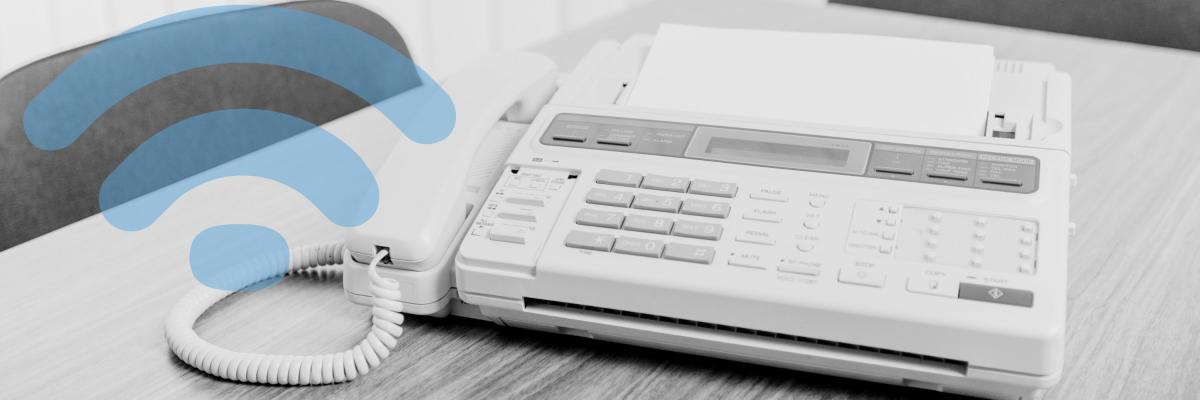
(952, 365)
(896, 171)
(952, 177)
(1003, 182)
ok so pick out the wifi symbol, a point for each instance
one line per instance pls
(316, 164)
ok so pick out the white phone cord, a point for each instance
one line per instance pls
(289, 369)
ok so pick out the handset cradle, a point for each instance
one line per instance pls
(422, 203)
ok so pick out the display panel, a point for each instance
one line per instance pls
(779, 150)
(756, 150)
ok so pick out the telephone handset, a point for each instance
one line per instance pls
(421, 185)
(422, 206)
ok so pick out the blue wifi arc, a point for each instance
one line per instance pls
(316, 164)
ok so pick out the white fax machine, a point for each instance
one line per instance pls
(920, 260)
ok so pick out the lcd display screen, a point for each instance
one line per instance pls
(753, 151)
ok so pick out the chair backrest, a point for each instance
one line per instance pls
(41, 191)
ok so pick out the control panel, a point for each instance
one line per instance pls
(883, 160)
(801, 236)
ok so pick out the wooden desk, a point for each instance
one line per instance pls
(83, 307)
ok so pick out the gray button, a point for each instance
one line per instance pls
(569, 137)
(524, 216)
(610, 177)
(643, 223)
(711, 188)
(589, 241)
(603, 219)
(508, 233)
(656, 203)
(995, 294)
(689, 253)
(668, 183)
(698, 230)
(609, 198)
(639, 247)
(705, 208)
(615, 140)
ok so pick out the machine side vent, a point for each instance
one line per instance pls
(956, 364)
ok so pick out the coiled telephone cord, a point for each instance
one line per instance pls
(289, 369)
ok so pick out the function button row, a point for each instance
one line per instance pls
(647, 224)
(666, 183)
(652, 202)
(640, 247)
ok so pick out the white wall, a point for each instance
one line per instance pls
(444, 35)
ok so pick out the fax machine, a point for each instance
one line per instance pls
(919, 260)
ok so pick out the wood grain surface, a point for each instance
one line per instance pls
(83, 307)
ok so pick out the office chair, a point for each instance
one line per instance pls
(41, 191)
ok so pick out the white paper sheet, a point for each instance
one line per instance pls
(838, 79)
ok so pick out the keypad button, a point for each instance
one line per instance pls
(668, 183)
(638, 247)
(698, 230)
(508, 233)
(609, 198)
(861, 276)
(589, 241)
(657, 203)
(805, 246)
(995, 294)
(702, 208)
(689, 253)
(641, 223)
(711, 188)
(603, 219)
(619, 178)
(816, 202)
